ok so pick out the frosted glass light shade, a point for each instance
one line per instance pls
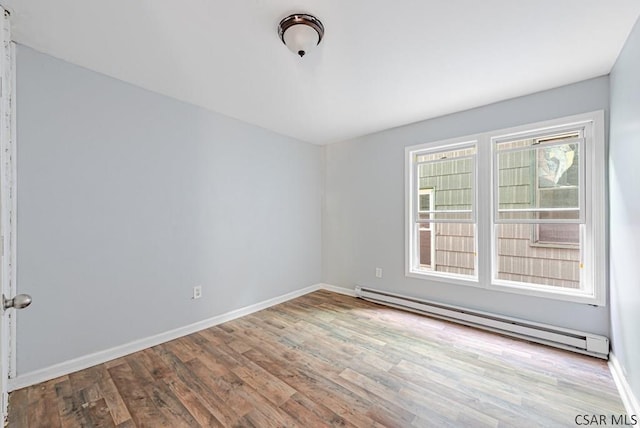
(300, 32)
(300, 38)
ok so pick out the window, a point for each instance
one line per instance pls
(540, 223)
(443, 221)
(558, 165)
(426, 235)
(538, 191)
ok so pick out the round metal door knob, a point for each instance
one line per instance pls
(20, 301)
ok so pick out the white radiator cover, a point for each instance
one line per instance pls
(572, 340)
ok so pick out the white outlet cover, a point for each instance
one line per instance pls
(197, 292)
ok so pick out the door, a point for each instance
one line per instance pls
(8, 301)
(5, 128)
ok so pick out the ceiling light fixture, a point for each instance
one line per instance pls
(300, 32)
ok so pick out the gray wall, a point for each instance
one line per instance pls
(127, 199)
(363, 220)
(624, 209)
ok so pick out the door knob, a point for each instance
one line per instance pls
(20, 301)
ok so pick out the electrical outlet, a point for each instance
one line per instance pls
(197, 292)
(378, 272)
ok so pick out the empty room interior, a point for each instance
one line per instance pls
(307, 214)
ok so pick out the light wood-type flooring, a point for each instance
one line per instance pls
(326, 359)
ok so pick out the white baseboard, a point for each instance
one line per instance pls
(340, 290)
(629, 400)
(86, 361)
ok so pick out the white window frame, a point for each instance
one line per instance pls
(593, 231)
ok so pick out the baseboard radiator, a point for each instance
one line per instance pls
(572, 340)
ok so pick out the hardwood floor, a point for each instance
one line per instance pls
(328, 360)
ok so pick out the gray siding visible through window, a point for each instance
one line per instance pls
(533, 253)
(454, 242)
(520, 256)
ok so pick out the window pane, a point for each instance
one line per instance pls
(425, 201)
(444, 230)
(448, 248)
(520, 260)
(426, 250)
(557, 234)
(539, 176)
(559, 197)
(445, 185)
(557, 166)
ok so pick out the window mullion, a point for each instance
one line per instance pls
(483, 209)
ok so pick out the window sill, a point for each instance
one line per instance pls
(547, 292)
(448, 278)
(554, 245)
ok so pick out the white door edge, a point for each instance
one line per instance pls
(13, 206)
(7, 203)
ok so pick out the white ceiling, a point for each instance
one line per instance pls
(381, 64)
